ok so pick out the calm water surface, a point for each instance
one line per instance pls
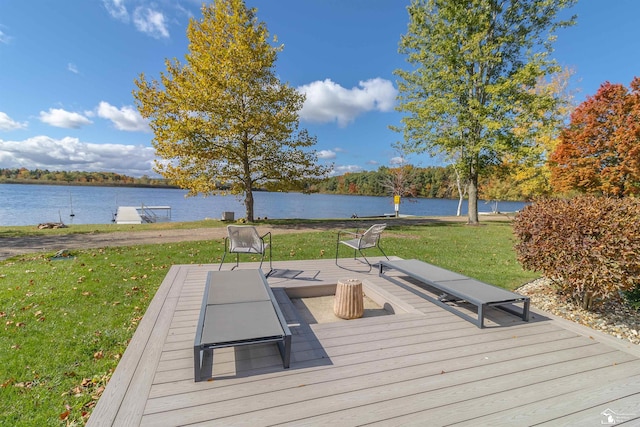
(35, 204)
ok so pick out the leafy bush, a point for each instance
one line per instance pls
(588, 245)
(633, 297)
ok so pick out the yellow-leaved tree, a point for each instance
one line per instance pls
(223, 120)
(525, 174)
(530, 172)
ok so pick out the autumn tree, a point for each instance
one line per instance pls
(400, 181)
(599, 152)
(223, 119)
(528, 169)
(474, 63)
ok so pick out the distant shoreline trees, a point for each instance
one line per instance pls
(104, 179)
(434, 182)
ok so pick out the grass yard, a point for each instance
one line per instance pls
(67, 322)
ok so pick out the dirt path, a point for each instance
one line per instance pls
(12, 246)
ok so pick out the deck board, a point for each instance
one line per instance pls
(420, 365)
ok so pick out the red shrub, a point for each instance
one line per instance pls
(590, 246)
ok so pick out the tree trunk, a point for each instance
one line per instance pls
(587, 301)
(461, 192)
(248, 204)
(473, 197)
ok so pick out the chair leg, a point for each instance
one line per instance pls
(365, 259)
(222, 262)
(385, 255)
(261, 260)
(270, 262)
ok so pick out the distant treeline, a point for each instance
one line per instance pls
(436, 182)
(431, 182)
(44, 176)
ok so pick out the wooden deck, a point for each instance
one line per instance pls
(420, 366)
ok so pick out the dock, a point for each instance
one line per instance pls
(142, 214)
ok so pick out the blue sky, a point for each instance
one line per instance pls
(67, 71)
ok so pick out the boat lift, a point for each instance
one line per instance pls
(143, 214)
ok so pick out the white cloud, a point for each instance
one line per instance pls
(328, 101)
(4, 38)
(151, 22)
(342, 169)
(146, 20)
(72, 67)
(117, 9)
(326, 154)
(7, 123)
(398, 160)
(64, 119)
(126, 118)
(43, 152)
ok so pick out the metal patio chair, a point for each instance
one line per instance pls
(245, 239)
(361, 241)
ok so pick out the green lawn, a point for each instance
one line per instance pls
(67, 322)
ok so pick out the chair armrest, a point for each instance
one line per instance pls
(268, 233)
(356, 234)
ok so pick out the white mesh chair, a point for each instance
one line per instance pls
(361, 241)
(244, 239)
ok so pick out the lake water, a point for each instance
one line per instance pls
(35, 204)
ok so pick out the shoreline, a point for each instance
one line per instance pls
(15, 246)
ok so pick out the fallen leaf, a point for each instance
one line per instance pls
(7, 382)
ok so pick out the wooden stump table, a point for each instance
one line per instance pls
(349, 300)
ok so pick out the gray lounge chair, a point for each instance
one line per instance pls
(361, 241)
(245, 239)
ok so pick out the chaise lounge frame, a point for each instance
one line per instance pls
(457, 287)
(238, 308)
